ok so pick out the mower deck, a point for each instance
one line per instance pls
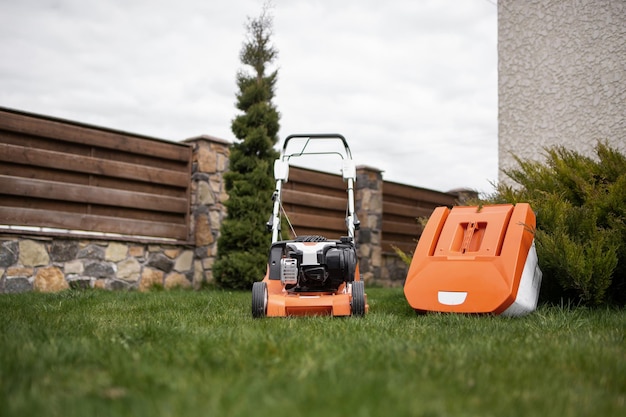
(280, 303)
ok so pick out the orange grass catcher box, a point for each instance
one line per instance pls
(473, 259)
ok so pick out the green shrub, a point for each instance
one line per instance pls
(580, 204)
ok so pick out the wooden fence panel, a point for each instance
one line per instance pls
(61, 174)
(403, 206)
(315, 203)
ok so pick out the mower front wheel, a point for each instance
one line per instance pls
(358, 298)
(259, 299)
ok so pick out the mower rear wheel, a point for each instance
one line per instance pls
(358, 298)
(259, 299)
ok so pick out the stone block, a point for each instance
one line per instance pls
(374, 221)
(115, 252)
(205, 194)
(208, 276)
(216, 184)
(364, 236)
(63, 250)
(150, 278)
(128, 270)
(116, 285)
(215, 219)
(79, 284)
(33, 253)
(222, 163)
(211, 250)
(176, 280)
(19, 272)
(74, 267)
(206, 159)
(50, 279)
(171, 253)
(198, 177)
(198, 275)
(136, 251)
(17, 285)
(8, 254)
(376, 257)
(207, 263)
(100, 284)
(98, 269)
(160, 261)
(184, 261)
(364, 265)
(364, 199)
(367, 277)
(204, 236)
(91, 251)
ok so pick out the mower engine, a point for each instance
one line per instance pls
(316, 266)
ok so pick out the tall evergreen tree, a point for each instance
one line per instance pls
(244, 241)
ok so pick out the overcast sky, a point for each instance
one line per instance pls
(411, 84)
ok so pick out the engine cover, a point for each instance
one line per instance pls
(321, 265)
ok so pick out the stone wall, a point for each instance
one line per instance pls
(393, 272)
(50, 265)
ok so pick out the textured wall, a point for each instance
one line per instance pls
(562, 76)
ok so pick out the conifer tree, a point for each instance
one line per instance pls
(244, 241)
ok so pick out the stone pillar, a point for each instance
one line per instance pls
(369, 208)
(464, 195)
(208, 194)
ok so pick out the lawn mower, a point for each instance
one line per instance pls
(311, 275)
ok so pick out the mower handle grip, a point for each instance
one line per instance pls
(318, 136)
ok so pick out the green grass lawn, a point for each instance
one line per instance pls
(183, 353)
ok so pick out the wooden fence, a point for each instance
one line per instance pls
(315, 203)
(56, 174)
(403, 207)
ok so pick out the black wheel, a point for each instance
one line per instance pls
(259, 299)
(358, 298)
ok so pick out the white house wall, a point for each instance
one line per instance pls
(562, 76)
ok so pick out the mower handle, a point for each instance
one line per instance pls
(318, 136)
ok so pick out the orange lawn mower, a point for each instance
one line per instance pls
(311, 275)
